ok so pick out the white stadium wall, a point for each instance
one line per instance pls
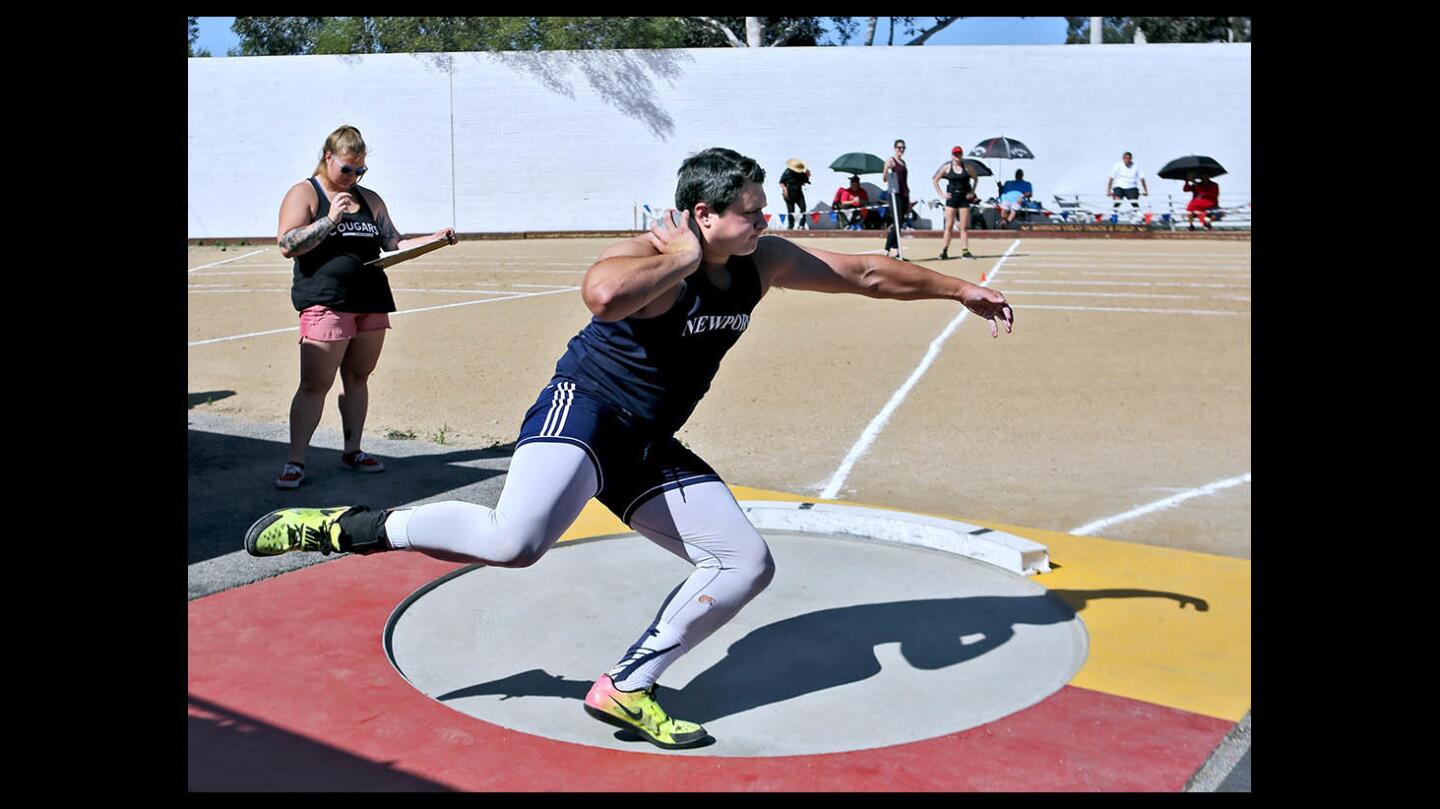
(576, 140)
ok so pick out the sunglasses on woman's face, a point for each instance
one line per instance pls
(360, 172)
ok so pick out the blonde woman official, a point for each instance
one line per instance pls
(331, 226)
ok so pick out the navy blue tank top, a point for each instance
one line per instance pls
(334, 274)
(656, 370)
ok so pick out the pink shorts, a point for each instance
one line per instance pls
(327, 325)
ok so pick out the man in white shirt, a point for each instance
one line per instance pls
(1121, 184)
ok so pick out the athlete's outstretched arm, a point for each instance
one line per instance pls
(787, 265)
(635, 272)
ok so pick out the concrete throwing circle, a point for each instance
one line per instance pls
(856, 644)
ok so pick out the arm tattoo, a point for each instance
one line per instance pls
(301, 240)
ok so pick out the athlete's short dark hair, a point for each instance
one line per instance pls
(715, 177)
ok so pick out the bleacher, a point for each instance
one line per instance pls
(1157, 212)
(1162, 211)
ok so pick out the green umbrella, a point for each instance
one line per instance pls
(858, 163)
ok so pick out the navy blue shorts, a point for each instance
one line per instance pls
(631, 465)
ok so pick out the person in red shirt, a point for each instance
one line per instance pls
(1207, 197)
(851, 199)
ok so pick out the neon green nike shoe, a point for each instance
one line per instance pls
(296, 529)
(638, 711)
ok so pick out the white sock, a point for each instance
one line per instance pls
(397, 527)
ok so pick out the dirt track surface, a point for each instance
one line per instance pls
(1083, 414)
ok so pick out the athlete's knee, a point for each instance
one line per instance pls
(521, 556)
(516, 551)
(519, 545)
(756, 565)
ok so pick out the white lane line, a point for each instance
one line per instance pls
(1123, 255)
(1125, 283)
(1070, 293)
(1209, 488)
(1225, 269)
(1129, 260)
(228, 260)
(1051, 271)
(402, 312)
(1030, 306)
(872, 430)
(1235, 275)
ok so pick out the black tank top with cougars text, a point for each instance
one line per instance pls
(333, 274)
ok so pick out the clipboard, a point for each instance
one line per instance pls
(391, 259)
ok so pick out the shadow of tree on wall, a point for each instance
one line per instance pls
(624, 79)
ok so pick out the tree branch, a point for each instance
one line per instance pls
(787, 32)
(729, 35)
(870, 32)
(940, 24)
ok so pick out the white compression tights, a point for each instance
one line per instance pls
(547, 486)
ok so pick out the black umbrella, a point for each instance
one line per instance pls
(1003, 148)
(981, 170)
(858, 163)
(1184, 168)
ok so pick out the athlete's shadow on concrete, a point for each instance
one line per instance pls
(835, 647)
(231, 484)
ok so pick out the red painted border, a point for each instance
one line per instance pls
(290, 689)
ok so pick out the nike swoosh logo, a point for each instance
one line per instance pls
(632, 714)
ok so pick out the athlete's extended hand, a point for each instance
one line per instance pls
(989, 304)
(675, 239)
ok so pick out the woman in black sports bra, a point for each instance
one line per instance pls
(960, 180)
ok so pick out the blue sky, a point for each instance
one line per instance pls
(215, 34)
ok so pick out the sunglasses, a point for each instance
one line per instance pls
(901, 148)
(344, 169)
